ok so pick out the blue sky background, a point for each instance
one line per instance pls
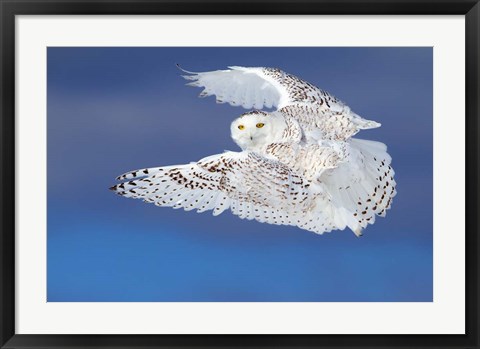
(111, 110)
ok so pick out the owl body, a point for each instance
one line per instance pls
(299, 165)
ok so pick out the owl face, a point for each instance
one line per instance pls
(254, 130)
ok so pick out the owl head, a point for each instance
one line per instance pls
(254, 130)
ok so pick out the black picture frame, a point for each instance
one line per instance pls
(10, 8)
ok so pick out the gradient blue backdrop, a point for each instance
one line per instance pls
(116, 109)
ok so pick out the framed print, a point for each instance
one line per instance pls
(322, 193)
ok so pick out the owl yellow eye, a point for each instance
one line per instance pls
(260, 125)
(241, 127)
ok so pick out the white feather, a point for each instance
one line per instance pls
(250, 185)
(299, 165)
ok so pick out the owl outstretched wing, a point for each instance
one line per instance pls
(258, 87)
(250, 185)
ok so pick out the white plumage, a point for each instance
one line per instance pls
(299, 165)
(317, 111)
(252, 186)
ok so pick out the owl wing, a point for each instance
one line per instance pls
(356, 174)
(362, 187)
(259, 87)
(251, 186)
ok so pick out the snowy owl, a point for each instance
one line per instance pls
(299, 164)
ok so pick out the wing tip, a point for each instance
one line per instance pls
(358, 232)
(183, 70)
(370, 124)
(236, 67)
